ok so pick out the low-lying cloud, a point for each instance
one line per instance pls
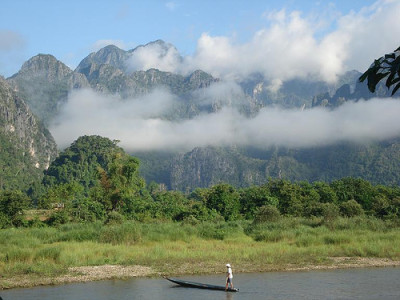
(139, 127)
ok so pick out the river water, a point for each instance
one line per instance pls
(369, 283)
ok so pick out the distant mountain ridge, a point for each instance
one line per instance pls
(44, 83)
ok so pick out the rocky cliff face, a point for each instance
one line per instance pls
(109, 55)
(108, 71)
(44, 83)
(27, 147)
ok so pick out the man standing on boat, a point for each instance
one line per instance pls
(229, 276)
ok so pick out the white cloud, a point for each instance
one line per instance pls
(138, 124)
(370, 33)
(291, 46)
(155, 55)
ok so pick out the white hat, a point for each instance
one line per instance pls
(228, 265)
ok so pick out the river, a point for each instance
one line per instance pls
(369, 283)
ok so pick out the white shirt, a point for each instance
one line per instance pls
(230, 275)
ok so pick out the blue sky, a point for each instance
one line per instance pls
(70, 30)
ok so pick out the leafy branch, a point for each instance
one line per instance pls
(385, 66)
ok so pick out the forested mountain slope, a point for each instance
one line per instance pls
(26, 146)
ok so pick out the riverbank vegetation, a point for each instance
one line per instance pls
(185, 248)
(94, 208)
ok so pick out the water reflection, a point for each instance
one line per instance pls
(229, 296)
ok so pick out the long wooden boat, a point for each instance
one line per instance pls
(201, 285)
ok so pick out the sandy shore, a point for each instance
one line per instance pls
(92, 273)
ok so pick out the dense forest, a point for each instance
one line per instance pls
(95, 180)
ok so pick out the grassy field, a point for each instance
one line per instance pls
(179, 248)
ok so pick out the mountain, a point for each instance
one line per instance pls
(348, 92)
(108, 70)
(43, 83)
(27, 147)
(376, 162)
(297, 92)
(110, 55)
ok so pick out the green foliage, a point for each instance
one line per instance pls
(351, 208)
(120, 184)
(124, 233)
(114, 217)
(325, 191)
(61, 195)
(289, 195)
(255, 197)
(5, 221)
(385, 66)
(80, 162)
(354, 188)
(225, 200)
(57, 218)
(86, 210)
(17, 171)
(171, 205)
(12, 205)
(325, 210)
(267, 213)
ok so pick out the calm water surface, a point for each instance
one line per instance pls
(374, 283)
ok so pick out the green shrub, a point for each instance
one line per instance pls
(267, 213)
(330, 211)
(57, 218)
(380, 207)
(114, 217)
(5, 222)
(351, 208)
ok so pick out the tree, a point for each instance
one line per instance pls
(289, 195)
(225, 200)
(385, 66)
(119, 184)
(171, 204)
(266, 213)
(351, 208)
(12, 205)
(326, 193)
(349, 188)
(254, 197)
(80, 162)
(60, 195)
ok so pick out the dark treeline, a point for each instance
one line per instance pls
(94, 180)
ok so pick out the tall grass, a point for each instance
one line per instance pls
(185, 248)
